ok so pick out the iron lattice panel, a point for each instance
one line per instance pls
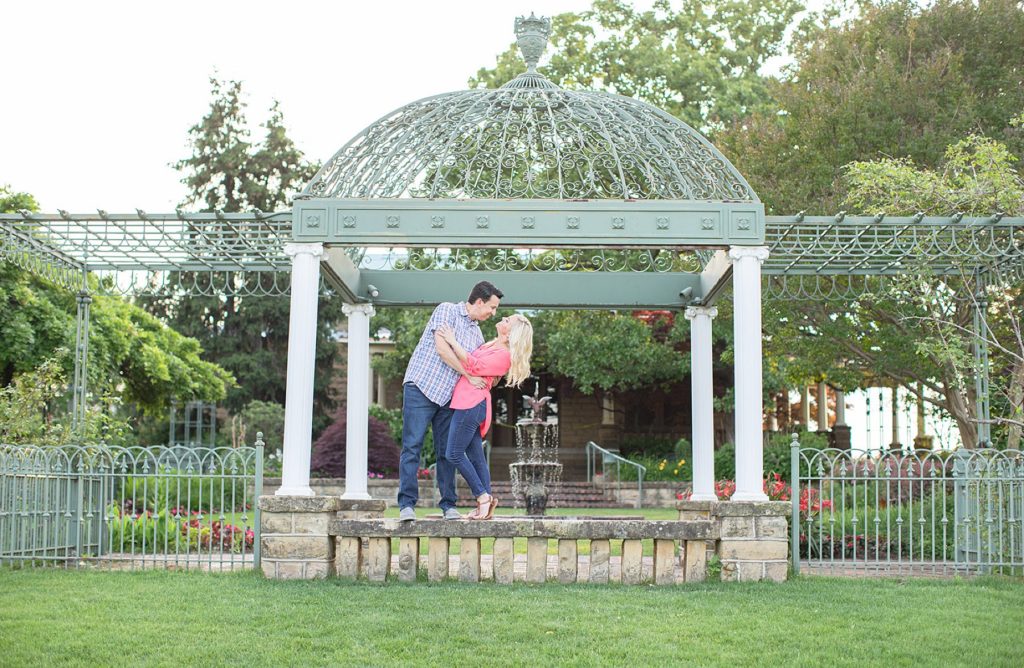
(530, 143)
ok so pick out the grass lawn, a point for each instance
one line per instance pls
(53, 617)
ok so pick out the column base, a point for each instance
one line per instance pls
(749, 496)
(754, 540)
(703, 497)
(294, 491)
(294, 536)
(356, 496)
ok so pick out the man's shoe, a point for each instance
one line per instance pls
(452, 514)
(407, 514)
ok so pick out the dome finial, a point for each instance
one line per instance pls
(532, 34)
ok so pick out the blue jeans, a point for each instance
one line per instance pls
(418, 413)
(465, 448)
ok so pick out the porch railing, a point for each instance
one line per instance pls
(607, 458)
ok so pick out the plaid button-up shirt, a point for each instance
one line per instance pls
(435, 379)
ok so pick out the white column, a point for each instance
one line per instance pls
(370, 382)
(608, 408)
(703, 402)
(382, 391)
(840, 408)
(298, 404)
(358, 399)
(822, 406)
(746, 278)
(805, 407)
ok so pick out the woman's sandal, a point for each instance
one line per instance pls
(479, 513)
(490, 510)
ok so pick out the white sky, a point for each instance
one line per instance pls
(98, 97)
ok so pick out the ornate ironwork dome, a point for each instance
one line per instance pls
(530, 139)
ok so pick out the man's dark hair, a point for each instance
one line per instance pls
(484, 290)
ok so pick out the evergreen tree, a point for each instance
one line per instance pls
(248, 335)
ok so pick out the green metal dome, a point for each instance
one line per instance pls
(530, 139)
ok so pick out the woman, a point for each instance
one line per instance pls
(508, 355)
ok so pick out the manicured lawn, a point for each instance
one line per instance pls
(176, 619)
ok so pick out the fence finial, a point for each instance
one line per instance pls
(259, 440)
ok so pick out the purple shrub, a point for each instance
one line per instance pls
(328, 458)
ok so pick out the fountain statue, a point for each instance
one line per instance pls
(536, 471)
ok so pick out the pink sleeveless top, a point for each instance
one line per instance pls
(490, 362)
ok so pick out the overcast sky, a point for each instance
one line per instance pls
(98, 96)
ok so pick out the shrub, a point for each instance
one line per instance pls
(267, 417)
(725, 461)
(143, 532)
(807, 439)
(658, 469)
(778, 454)
(173, 530)
(640, 445)
(328, 458)
(174, 488)
(216, 536)
(392, 417)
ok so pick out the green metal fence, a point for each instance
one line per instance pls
(116, 507)
(909, 513)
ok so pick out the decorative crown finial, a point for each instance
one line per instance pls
(532, 34)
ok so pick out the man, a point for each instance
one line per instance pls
(427, 390)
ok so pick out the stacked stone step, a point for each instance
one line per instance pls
(564, 495)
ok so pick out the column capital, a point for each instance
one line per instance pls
(759, 253)
(314, 249)
(365, 309)
(692, 312)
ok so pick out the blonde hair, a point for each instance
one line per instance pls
(520, 346)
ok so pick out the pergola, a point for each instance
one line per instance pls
(564, 199)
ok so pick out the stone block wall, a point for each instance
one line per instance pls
(753, 542)
(385, 489)
(295, 541)
(656, 494)
(579, 421)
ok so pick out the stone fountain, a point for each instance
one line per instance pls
(536, 471)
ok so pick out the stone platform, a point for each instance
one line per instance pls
(311, 537)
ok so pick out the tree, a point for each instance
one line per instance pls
(898, 80)
(918, 331)
(328, 458)
(609, 351)
(247, 335)
(700, 62)
(134, 359)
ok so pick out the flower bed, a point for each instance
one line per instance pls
(173, 530)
